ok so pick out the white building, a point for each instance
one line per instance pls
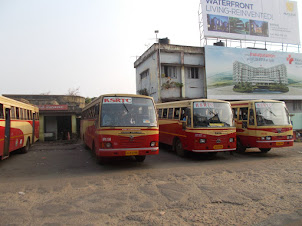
(168, 72)
(259, 76)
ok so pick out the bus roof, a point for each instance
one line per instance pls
(11, 102)
(185, 103)
(98, 99)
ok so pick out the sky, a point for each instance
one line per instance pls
(53, 46)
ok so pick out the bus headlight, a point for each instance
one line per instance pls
(107, 145)
(289, 137)
(231, 139)
(268, 138)
(153, 144)
(262, 138)
(202, 141)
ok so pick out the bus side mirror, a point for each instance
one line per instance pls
(184, 125)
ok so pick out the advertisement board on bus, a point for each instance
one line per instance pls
(236, 73)
(251, 20)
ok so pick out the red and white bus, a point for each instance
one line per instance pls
(120, 125)
(262, 124)
(200, 125)
(19, 126)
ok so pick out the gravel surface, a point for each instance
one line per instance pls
(60, 184)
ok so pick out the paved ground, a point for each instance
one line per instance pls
(60, 184)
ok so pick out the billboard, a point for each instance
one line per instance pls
(257, 20)
(238, 74)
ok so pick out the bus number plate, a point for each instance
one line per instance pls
(131, 152)
(218, 147)
(279, 143)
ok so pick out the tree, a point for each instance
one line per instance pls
(73, 91)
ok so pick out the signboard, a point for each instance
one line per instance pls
(53, 107)
(238, 74)
(117, 100)
(203, 105)
(258, 20)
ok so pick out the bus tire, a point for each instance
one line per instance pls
(179, 149)
(140, 158)
(264, 150)
(25, 149)
(240, 147)
(99, 160)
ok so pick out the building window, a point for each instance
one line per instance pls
(193, 72)
(144, 74)
(169, 71)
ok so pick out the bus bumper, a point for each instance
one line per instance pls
(128, 151)
(274, 143)
(214, 150)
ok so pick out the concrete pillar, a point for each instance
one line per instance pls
(182, 74)
(73, 124)
(41, 127)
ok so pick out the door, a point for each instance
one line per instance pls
(33, 136)
(6, 134)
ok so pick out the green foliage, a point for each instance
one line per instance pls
(168, 85)
(88, 99)
(247, 87)
(143, 92)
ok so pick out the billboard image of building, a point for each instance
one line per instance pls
(239, 25)
(256, 20)
(249, 79)
(218, 23)
(237, 73)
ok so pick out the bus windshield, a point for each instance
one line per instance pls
(128, 112)
(270, 113)
(212, 114)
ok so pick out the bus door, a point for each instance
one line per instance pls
(33, 136)
(242, 125)
(6, 134)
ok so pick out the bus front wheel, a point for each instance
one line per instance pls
(140, 158)
(179, 149)
(25, 149)
(240, 147)
(264, 150)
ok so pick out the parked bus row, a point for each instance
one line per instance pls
(129, 125)
(19, 126)
(125, 125)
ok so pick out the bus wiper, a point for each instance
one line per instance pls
(125, 107)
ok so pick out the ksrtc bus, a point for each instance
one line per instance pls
(200, 125)
(19, 126)
(120, 125)
(262, 124)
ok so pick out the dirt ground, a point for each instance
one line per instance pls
(60, 184)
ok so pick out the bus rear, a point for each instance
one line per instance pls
(128, 127)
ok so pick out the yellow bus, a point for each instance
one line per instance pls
(263, 124)
(19, 126)
(200, 125)
(120, 125)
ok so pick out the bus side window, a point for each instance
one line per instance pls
(251, 117)
(165, 113)
(234, 113)
(188, 114)
(159, 112)
(17, 113)
(1, 111)
(170, 115)
(176, 113)
(243, 113)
